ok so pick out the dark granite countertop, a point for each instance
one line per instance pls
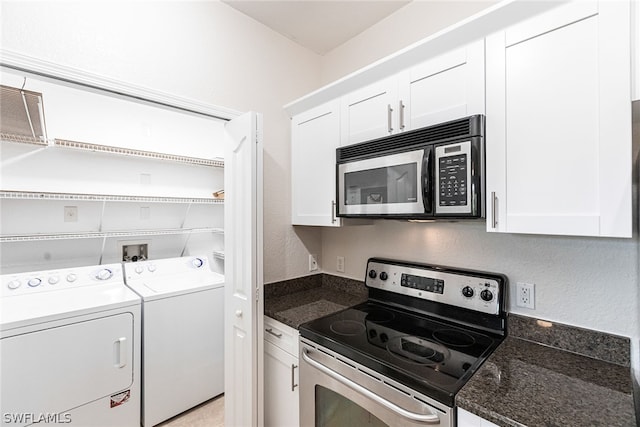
(296, 301)
(542, 375)
(525, 383)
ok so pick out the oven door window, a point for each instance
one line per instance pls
(386, 185)
(333, 409)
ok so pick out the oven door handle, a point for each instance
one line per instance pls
(430, 418)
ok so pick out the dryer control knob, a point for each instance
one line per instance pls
(34, 282)
(151, 267)
(14, 284)
(71, 277)
(104, 274)
(197, 262)
(53, 280)
(139, 269)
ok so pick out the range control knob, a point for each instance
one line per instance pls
(197, 262)
(34, 282)
(139, 269)
(53, 280)
(467, 291)
(383, 337)
(14, 284)
(373, 274)
(383, 276)
(72, 277)
(104, 274)
(486, 295)
(373, 333)
(151, 267)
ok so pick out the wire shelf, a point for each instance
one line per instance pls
(138, 153)
(106, 234)
(32, 195)
(22, 139)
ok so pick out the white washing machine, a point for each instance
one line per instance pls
(69, 348)
(182, 334)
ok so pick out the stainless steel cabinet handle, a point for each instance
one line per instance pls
(333, 211)
(389, 111)
(293, 379)
(429, 418)
(269, 330)
(494, 207)
(401, 107)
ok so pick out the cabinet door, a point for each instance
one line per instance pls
(370, 112)
(281, 406)
(467, 419)
(444, 88)
(315, 135)
(559, 123)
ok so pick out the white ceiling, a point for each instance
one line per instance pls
(319, 25)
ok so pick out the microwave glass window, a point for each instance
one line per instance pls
(390, 184)
(453, 180)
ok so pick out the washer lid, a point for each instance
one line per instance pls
(163, 287)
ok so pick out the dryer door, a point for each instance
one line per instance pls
(54, 370)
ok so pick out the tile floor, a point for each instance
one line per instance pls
(207, 414)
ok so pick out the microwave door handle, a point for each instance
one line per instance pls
(426, 180)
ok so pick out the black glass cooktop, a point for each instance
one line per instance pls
(431, 356)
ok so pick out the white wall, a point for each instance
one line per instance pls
(587, 282)
(202, 50)
(412, 23)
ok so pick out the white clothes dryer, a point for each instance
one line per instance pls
(69, 348)
(182, 333)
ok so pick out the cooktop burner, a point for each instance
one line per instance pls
(414, 338)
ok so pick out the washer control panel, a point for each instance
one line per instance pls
(461, 288)
(147, 270)
(53, 280)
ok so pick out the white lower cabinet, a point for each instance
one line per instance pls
(281, 391)
(467, 419)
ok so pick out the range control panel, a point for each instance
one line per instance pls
(461, 288)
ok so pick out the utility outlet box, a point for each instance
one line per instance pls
(135, 252)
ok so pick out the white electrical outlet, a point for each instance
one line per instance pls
(70, 214)
(340, 264)
(525, 295)
(313, 263)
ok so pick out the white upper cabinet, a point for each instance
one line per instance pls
(558, 143)
(315, 135)
(444, 88)
(371, 112)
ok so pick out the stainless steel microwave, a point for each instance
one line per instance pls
(435, 172)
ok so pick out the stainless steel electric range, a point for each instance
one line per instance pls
(399, 358)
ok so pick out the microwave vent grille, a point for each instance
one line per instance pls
(467, 127)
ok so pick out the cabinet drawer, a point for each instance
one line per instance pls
(281, 335)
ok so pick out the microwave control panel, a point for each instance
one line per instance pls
(453, 177)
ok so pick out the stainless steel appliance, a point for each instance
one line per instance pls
(399, 358)
(428, 173)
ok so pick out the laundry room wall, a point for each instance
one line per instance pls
(586, 282)
(203, 50)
